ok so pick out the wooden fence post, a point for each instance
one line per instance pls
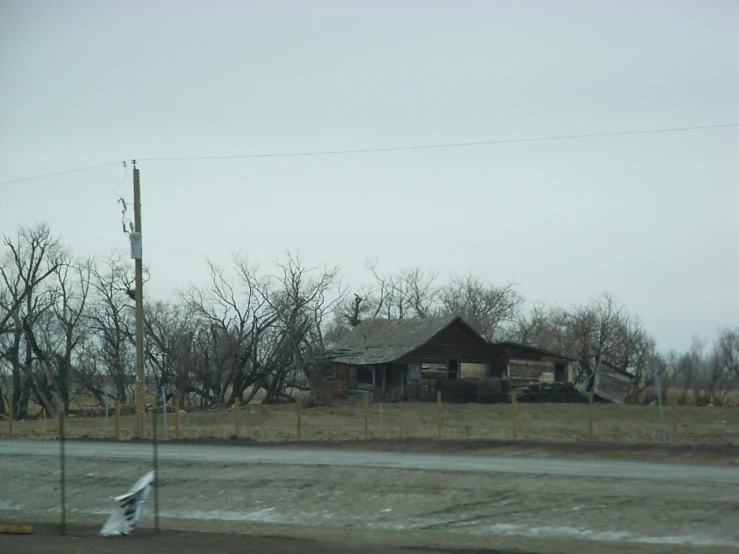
(590, 415)
(674, 420)
(237, 417)
(300, 417)
(10, 420)
(177, 417)
(366, 416)
(118, 420)
(514, 414)
(380, 417)
(439, 413)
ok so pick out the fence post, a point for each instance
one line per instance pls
(164, 412)
(46, 427)
(380, 417)
(661, 411)
(237, 417)
(514, 414)
(590, 415)
(177, 417)
(366, 416)
(674, 420)
(10, 420)
(299, 404)
(62, 466)
(107, 415)
(118, 420)
(438, 413)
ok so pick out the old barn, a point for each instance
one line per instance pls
(401, 360)
(526, 365)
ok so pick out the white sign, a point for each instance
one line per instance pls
(129, 507)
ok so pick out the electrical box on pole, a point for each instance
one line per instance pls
(136, 249)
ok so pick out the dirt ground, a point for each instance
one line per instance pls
(84, 540)
(353, 509)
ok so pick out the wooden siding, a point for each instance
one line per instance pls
(611, 384)
(522, 372)
(474, 371)
(337, 381)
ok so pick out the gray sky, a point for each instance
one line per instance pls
(651, 219)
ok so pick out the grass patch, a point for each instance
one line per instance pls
(345, 421)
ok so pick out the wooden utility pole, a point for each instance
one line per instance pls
(136, 254)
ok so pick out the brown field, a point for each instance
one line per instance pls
(569, 423)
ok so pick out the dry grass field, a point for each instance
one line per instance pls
(688, 425)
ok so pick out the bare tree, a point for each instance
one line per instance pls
(727, 351)
(55, 341)
(408, 293)
(27, 264)
(486, 307)
(235, 315)
(722, 376)
(169, 346)
(535, 327)
(301, 298)
(110, 318)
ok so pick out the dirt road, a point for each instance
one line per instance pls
(390, 500)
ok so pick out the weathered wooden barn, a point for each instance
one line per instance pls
(402, 360)
(526, 365)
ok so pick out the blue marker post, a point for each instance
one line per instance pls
(107, 419)
(661, 412)
(164, 411)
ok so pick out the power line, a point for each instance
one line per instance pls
(447, 145)
(58, 173)
(388, 149)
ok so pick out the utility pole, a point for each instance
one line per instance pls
(136, 254)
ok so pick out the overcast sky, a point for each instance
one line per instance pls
(653, 219)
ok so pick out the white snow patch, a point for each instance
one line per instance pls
(265, 515)
(606, 536)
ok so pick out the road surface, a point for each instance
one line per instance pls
(387, 499)
(395, 460)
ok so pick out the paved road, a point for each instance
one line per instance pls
(432, 462)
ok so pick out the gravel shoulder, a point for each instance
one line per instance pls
(708, 454)
(388, 507)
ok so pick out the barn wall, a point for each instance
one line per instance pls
(337, 380)
(474, 371)
(529, 371)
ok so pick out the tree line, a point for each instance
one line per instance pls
(67, 329)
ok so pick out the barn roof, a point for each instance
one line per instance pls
(379, 341)
(533, 349)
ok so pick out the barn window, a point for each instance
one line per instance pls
(364, 374)
(560, 373)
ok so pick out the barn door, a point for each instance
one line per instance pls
(413, 384)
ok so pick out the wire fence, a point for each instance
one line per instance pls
(520, 417)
